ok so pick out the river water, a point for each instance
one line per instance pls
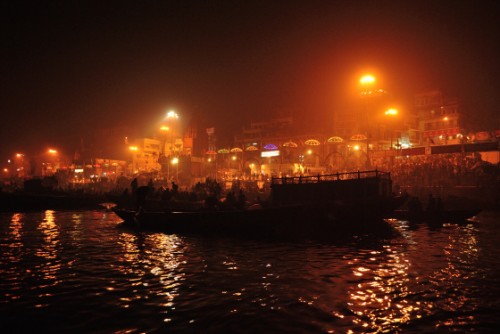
(78, 272)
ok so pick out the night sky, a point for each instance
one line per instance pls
(70, 66)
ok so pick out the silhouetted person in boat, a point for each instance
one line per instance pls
(415, 210)
(175, 189)
(439, 207)
(211, 202)
(241, 200)
(151, 185)
(165, 198)
(133, 186)
(431, 205)
(230, 202)
(140, 196)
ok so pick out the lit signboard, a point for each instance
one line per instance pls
(267, 154)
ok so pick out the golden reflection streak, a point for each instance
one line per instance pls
(13, 253)
(156, 254)
(15, 245)
(383, 300)
(48, 249)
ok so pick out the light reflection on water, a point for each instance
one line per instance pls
(80, 267)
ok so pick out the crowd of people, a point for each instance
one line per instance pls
(441, 170)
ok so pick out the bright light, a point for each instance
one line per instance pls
(164, 128)
(391, 111)
(19, 155)
(172, 115)
(233, 158)
(367, 79)
(445, 118)
(175, 161)
(252, 165)
(133, 148)
(267, 154)
(309, 151)
(356, 147)
(52, 151)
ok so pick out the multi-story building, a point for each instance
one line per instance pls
(437, 119)
(145, 155)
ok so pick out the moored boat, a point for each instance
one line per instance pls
(443, 216)
(305, 206)
(49, 200)
(351, 196)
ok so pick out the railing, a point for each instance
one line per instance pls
(331, 177)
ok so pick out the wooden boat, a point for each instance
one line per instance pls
(443, 216)
(353, 196)
(286, 221)
(49, 200)
(304, 206)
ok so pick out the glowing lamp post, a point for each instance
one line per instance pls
(367, 81)
(391, 113)
(53, 158)
(20, 164)
(170, 119)
(175, 161)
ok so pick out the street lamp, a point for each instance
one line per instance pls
(20, 164)
(54, 159)
(367, 79)
(170, 118)
(392, 112)
(175, 161)
(366, 82)
(172, 115)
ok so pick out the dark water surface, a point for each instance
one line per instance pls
(77, 272)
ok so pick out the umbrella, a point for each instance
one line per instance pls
(290, 144)
(251, 148)
(236, 150)
(358, 137)
(223, 151)
(270, 147)
(312, 142)
(335, 140)
(210, 152)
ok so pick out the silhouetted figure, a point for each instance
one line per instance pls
(133, 185)
(151, 185)
(211, 202)
(230, 202)
(175, 189)
(415, 210)
(165, 198)
(140, 195)
(431, 204)
(241, 200)
(439, 207)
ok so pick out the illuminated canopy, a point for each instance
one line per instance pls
(211, 152)
(270, 147)
(335, 139)
(223, 151)
(312, 142)
(290, 144)
(236, 150)
(251, 148)
(358, 137)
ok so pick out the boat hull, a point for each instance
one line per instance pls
(451, 216)
(285, 221)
